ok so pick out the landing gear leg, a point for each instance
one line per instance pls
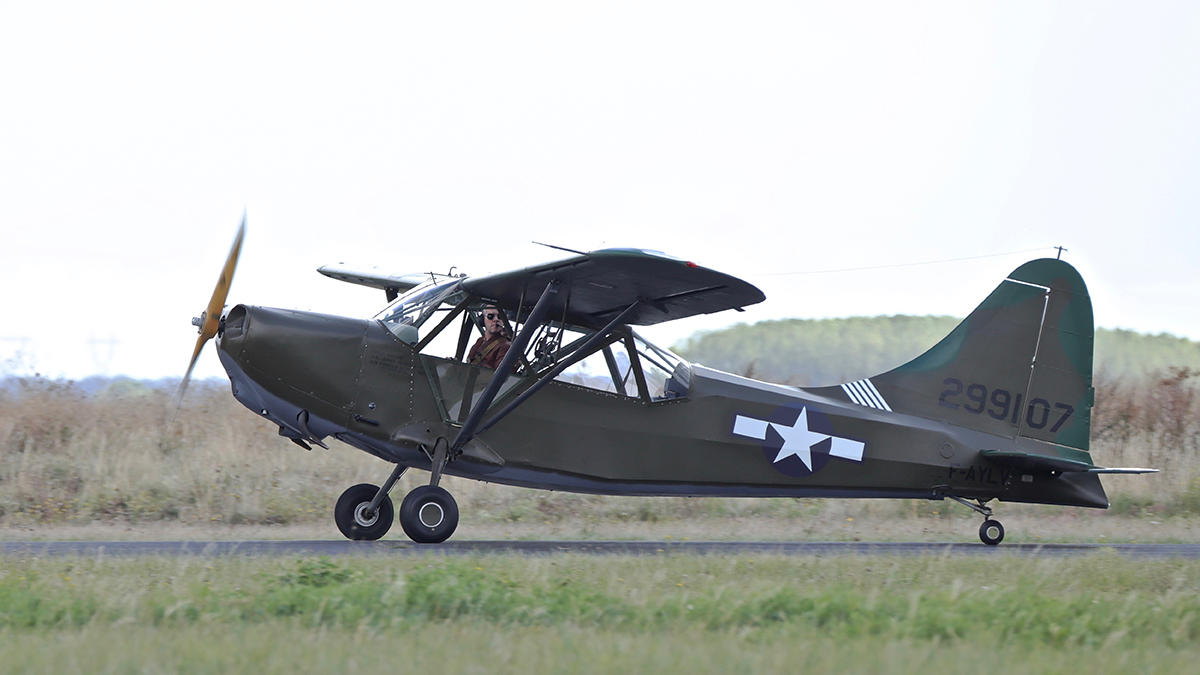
(441, 454)
(991, 532)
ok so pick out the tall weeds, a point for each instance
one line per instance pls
(1151, 422)
(69, 456)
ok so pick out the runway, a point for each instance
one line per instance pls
(548, 548)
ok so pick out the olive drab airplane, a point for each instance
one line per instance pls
(998, 410)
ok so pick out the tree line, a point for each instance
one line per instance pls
(817, 352)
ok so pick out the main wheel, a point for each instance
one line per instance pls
(991, 532)
(354, 518)
(428, 515)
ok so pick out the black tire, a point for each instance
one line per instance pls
(991, 532)
(428, 515)
(352, 520)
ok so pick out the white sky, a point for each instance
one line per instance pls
(751, 138)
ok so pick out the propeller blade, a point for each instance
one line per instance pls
(212, 315)
(177, 400)
(211, 318)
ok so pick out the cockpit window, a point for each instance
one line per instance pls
(627, 366)
(410, 312)
(667, 375)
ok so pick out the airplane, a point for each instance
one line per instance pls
(997, 410)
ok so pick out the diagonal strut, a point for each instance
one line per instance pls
(504, 369)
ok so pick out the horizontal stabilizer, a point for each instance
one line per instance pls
(1027, 461)
(376, 277)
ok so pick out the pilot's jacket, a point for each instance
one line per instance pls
(489, 352)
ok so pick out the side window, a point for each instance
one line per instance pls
(445, 343)
(472, 329)
(667, 375)
(607, 370)
(612, 369)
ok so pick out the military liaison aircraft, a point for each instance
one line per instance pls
(999, 409)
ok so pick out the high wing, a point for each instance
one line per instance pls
(601, 284)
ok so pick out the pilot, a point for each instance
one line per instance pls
(489, 350)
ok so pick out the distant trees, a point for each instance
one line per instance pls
(1123, 353)
(815, 352)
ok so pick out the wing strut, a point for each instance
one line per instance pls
(505, 368)
(577, 355)
(639, 375)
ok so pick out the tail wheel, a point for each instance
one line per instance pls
(991, 532)
(354, 516)
(429, 515)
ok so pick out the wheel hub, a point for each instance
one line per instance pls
(431, 515)
(364, 516)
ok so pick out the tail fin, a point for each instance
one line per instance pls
(1019, 365)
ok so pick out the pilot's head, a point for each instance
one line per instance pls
(493, 323)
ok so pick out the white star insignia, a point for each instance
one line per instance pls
(798, 439)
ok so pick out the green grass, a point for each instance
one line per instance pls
(1086, 600)
(591, 614)
(479, 648)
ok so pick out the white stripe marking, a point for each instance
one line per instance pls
(863, 396)
(878, 396)
(847, 448)
(857, 394)
(864, 393)
(863, 386)
(750, 427)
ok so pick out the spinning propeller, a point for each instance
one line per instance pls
(209, 321)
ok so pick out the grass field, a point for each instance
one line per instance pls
(565, 614)
(483, 649)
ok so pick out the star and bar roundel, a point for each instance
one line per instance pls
(798, 441)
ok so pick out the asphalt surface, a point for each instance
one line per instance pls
(543, 548)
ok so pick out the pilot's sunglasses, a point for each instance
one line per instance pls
(491, 316)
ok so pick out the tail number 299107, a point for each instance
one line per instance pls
(1001, 404)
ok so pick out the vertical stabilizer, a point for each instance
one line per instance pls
(1019, 365)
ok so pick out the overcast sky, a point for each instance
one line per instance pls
(760, 139)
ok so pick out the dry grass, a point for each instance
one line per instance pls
(73, 461)
(1151, 422)
(67, 457)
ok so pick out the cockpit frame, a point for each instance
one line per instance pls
(657, 374)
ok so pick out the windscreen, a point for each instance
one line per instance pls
(421, 309)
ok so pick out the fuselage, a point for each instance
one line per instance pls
(325, 376)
